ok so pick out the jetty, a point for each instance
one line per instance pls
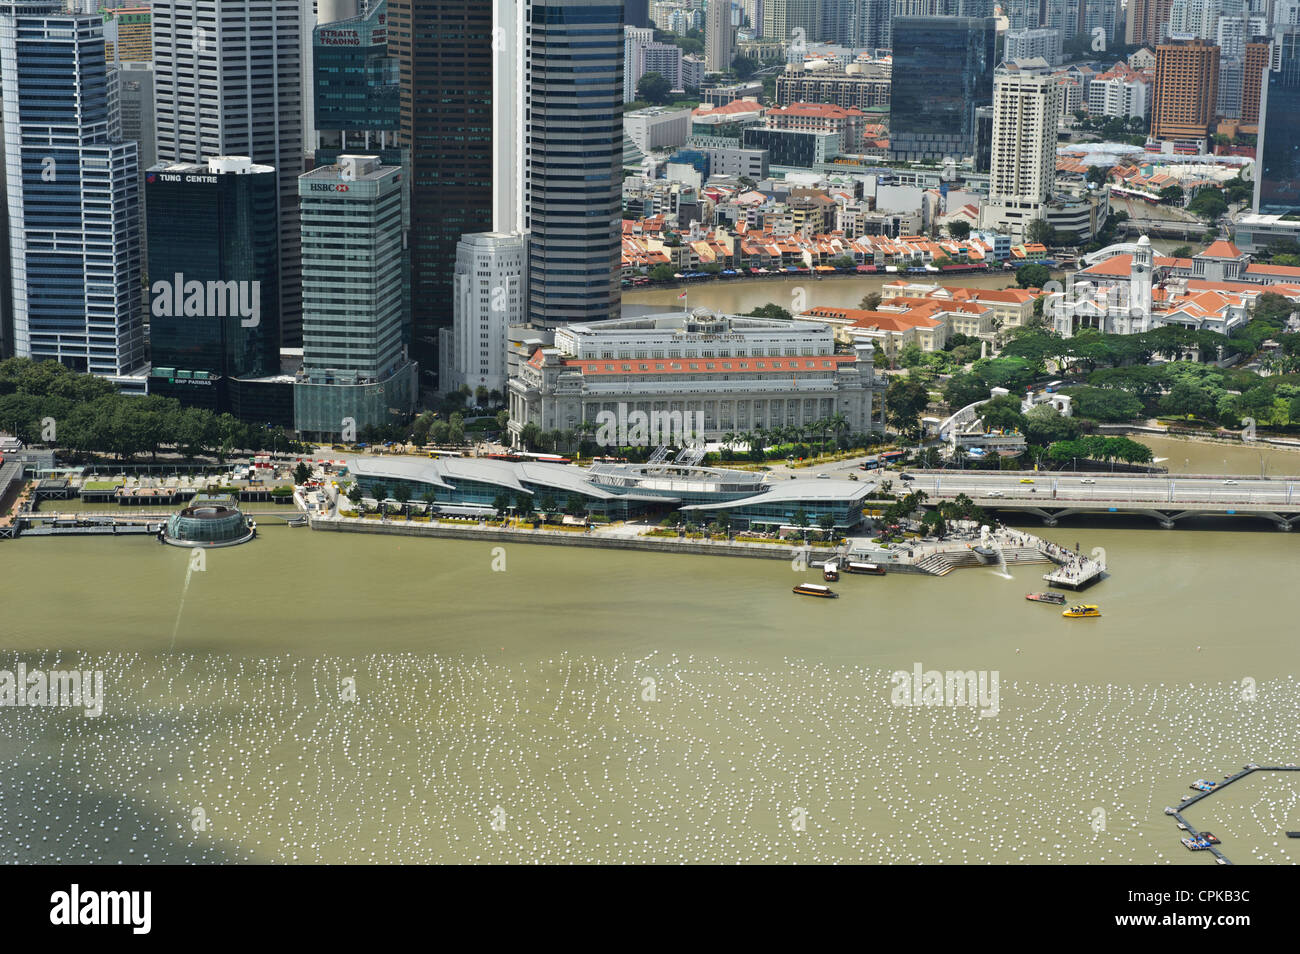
(1190, 800)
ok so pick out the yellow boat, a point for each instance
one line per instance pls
(1081, 611)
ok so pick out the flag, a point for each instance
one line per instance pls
(682, 296)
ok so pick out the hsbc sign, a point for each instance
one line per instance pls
(329, 187)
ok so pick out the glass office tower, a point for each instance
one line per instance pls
(574, 77)
(212, 227)
(72, 199)
(1277, 176)
(943, 72)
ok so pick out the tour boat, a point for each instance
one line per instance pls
(1081, 611)
(830, 572)
(815, 589)
(1057, 598)
(872, 569)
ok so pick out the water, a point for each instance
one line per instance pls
(796, 294)
(352, 698)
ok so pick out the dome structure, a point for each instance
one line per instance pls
(209, 522)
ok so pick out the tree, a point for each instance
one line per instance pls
(1187, 398)
(1104, 404)
(827, 522)
(1209, 204)
(906, 400)
(1182, 251)
(770, 310)
(1041, 231)
(870, 301)
(301, 473)
(653, 88)
(501, 503)
(1032, 276)
(1097, 174)
(1171, 195)
(744, 67)
(661, 273)
(959, 229)
(963, 389)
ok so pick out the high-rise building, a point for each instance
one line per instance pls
(1145, 18)
(1277, 170)
(228, 81)
(444, 51)
(636, 13)
(1022, 168)
(719, 37)
(72, 282)
(491, 292)
(943, 71)
(136, 108)
(355, 369)
(1256, 60)
(1024, 44)
(782, 18)
(128, 35)
(574, 127)
(1186, 88)
(356, 99)
(213, 278)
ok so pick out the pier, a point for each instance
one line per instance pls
(1190, 800)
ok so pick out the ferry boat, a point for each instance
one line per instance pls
(1201, 785)
(1195, 844)
(815, 589)
(1081, 611)
(871, 569)
(1057, 598)
(830, 571)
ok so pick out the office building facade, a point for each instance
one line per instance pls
(214, 298)
(444, 53)
(72, 288)
(355, 368)
(228, 81)
(574, 81)
(942, 72)
(1186, 91)
(1277, 171)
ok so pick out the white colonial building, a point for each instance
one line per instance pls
(729, 372)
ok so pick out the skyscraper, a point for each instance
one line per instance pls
(444, 53)
(719, 37)
(72, 280)
(1186, 87)
(782, 18)
(357, 100)
(355, 368)
(1026, 109)
(1277, 174)
(574, 148)
(213, 281)
(943, 71)
(1145, 18)
(228, 82)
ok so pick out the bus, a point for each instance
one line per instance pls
(892, 457)
(526, 456)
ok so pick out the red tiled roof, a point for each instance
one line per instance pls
(1222, 249)
(599, 366)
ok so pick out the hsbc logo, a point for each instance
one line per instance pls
(328, 187)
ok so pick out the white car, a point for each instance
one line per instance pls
(995, 493)
(1086, 480)
(1229, 483)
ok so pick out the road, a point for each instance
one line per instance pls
(1045, 487)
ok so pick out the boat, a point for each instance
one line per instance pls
(1081, 611)
(1211, 837)
(815, 589)
(1057, 598)
(830, 571)
(871, 569)
(1195, 844)
(1201, 785)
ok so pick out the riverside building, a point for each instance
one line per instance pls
(355, 371)
(726, 373)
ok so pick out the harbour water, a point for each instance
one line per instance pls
(338, 697)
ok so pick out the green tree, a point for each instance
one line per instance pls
(1041, 231)
(653, 88)
(906, 401)
(301, 473)
(744, 67)
(959, 229)
(770, 310)
(870, 301)
(1033, 276)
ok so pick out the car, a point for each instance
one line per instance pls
(1026, 480)
(995, 493)
(906, 477)
(1086, 480)
(1229, 483)
(823, 476)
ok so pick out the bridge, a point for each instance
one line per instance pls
(1166, 499)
